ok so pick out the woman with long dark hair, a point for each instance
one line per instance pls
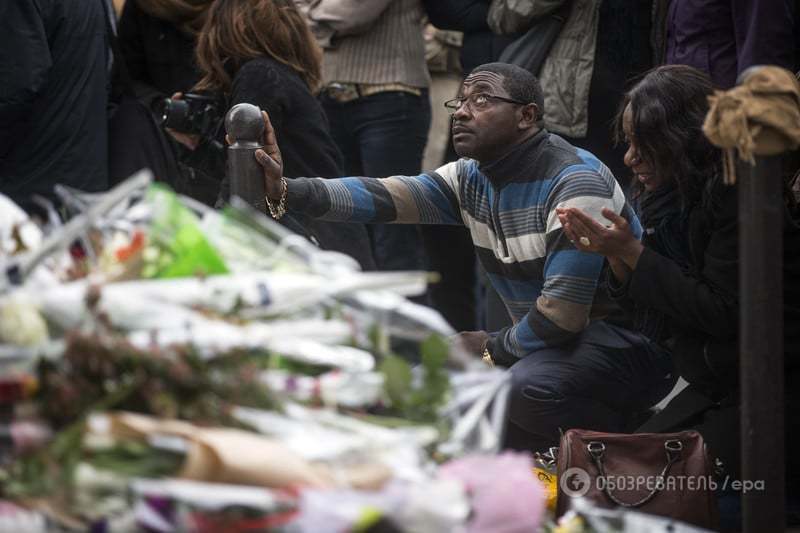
(262, 52)
(681, 280)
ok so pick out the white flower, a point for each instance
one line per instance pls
(20, 322)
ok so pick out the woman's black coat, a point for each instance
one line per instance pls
(701, 301)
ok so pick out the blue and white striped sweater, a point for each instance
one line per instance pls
(548, 286)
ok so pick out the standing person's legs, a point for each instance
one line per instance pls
(391, 129)
(341, 118)
(600, 381)
(451, 253)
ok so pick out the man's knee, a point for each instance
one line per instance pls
(545, 399)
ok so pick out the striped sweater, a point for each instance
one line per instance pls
(547, 285)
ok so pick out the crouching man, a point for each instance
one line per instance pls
(571, 366)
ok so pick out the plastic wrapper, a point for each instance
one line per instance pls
(477, 409)
(351, 389)
(17, 232)
(213, 496)
(173, 505)
(176, 245)
(246, 249)
(324, 435)
(152, 303)
(584, 517)
(15, 519)
(505, 497)
(396, 315)
(19, 268)
(225, 455)
(428, 506)
(345, 389)
(283, 248)
(272, 293)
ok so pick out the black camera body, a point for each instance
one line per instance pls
(198, 114)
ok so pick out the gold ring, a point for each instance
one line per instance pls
(585, 241)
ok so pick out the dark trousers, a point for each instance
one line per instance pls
(601, 381)
(383, 135)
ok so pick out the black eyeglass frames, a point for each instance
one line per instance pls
(478, 101)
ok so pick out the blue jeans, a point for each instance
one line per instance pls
(383, 135)
(599, 381)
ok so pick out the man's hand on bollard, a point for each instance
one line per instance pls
(271, 162)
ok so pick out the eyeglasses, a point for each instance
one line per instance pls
(478, 101)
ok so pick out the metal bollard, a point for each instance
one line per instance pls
(245, 128)
(761, 341)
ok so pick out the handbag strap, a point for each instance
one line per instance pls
(596, 449)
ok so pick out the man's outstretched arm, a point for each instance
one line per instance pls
(425, 199)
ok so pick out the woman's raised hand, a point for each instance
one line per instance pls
(588, 235)
(271, 161)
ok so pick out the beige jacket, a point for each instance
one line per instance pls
(369, 41)
(567, 72)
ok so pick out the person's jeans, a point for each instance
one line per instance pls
(599, 381)
(381, 135)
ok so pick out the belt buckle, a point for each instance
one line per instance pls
(342, 92)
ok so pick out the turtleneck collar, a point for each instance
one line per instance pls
(517, 161)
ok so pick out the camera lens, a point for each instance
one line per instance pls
(176, 115)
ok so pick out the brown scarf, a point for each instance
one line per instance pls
(188, 15)
(761, 116)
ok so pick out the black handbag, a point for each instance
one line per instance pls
(531, 50)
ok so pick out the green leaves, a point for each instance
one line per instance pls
(397, 380)
(419, 399)
(136, 459)
(435, 351)
(177, 247)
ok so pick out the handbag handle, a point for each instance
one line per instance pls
(596, 449)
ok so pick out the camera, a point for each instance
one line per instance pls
(198, 114)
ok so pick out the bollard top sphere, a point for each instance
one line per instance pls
(244, 123)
